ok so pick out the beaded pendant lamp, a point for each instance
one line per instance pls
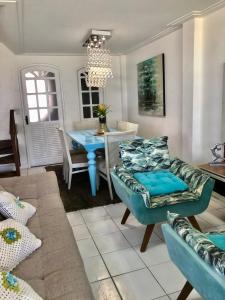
(99, 65)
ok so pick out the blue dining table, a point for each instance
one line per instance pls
(90, 141)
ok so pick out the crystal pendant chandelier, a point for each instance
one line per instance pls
(99, 65)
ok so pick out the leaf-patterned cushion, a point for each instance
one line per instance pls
(199, 242)
(145, 154)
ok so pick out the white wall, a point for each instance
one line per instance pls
(213, 64)
(194, 63)
(10, 98)
(10, 66)
(170, 125)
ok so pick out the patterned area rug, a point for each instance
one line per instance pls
(79, 196)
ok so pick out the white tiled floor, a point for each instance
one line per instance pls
(113, 262)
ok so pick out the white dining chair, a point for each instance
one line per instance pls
(112, 155)
(74, 161)
(126, 126)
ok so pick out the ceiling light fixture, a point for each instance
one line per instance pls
(99, 65)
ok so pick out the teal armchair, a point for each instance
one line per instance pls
(202, 276)
(180, 203)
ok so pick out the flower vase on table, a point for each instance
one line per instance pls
(102, 125)
(102, 110)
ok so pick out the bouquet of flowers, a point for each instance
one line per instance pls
(102, 110)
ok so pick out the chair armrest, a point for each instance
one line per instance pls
(209, 284)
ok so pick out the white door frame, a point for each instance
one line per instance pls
(39, 67)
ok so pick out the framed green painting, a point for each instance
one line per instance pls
(151, 87)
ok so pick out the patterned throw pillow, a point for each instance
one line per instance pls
(145, 154)
(13, 288)
(13, 207)
(199, 242)
(16, 243)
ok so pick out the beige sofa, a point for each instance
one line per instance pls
(55, 271)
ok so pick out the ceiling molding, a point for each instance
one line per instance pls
(20, 22)
(169, 28)
(158, 36)
(177, 24)
(60, 54)
(197, 13)
(3, 2)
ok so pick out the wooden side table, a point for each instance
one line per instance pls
(216, 172)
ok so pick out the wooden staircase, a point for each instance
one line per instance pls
(9, 149)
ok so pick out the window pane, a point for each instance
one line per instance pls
(43, 114)
(29, 75)
(33, 115)
(85, 98)
(37, 73)
(41, 86)
(51, 85)
(84, 74)
(94, 88)
(42, 100)
(50, 74)
(31, 101)
(95, 98)
(83, 85)
(87, 112)
(95, 112)
(52, 100)
(30, 86)
(54, 114)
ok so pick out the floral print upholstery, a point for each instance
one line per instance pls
(199, 242)
(145, 154)
(194, 177)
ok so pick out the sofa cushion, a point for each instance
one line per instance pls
(59, 253)
(161, 182)
(145, 154)
(16, 243)
(13, 288)
(199, 242)
(12, 207)
(155, 201)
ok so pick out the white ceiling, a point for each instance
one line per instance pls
(59, 26)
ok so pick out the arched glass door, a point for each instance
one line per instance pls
(43, 114)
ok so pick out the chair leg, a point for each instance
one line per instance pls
(147, 235)
(97, 180)
(194, 222)
(66, 172)
(110, 187)
(69, 179)
(185, 292)
(125, 216)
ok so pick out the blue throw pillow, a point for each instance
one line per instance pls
(161, 182)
